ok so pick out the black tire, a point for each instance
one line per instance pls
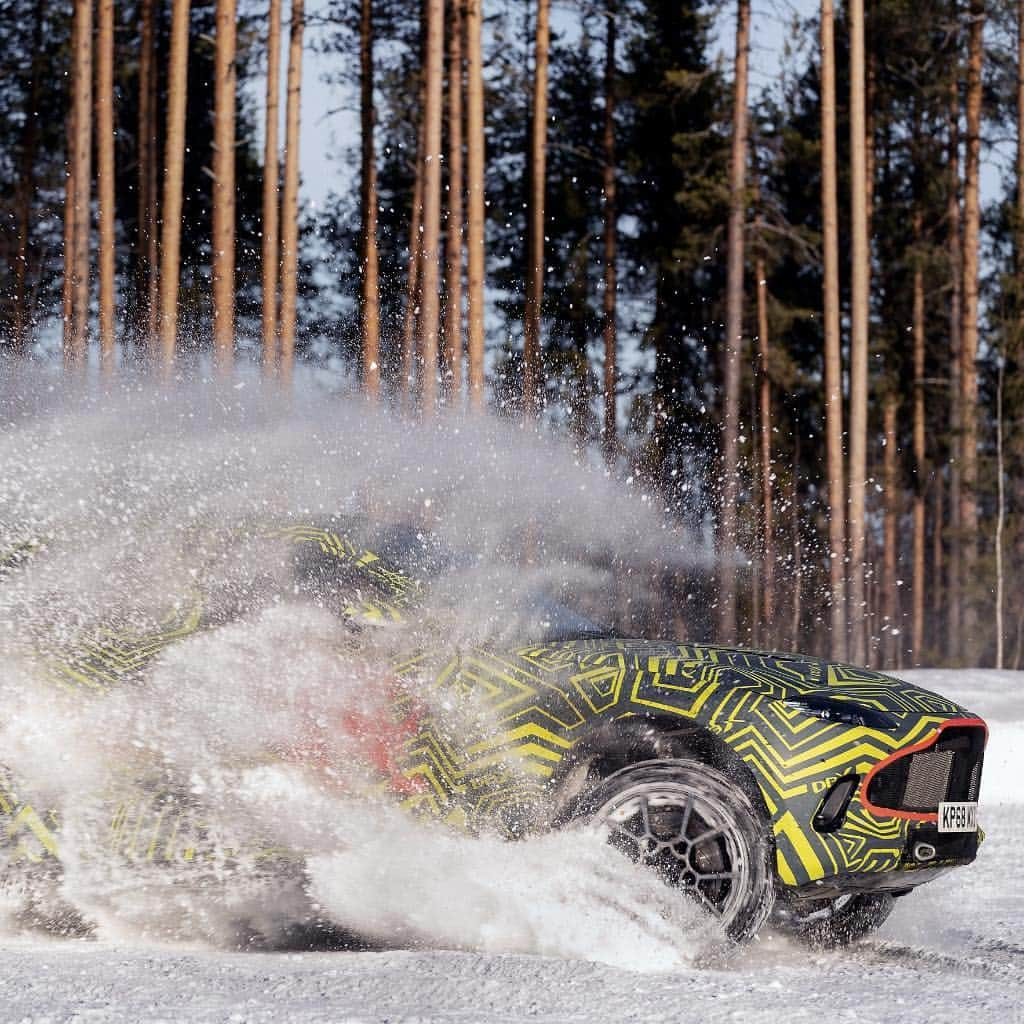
(835, 923)
(697, 829)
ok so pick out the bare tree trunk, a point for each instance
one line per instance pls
(1020, 169)
(452, 358)
(370, 294)
(1000, 517)
(81, 114)
(890, 554)
(734, 332)
(105, 180)
(290, 199)
(611, 229)
(223, 260)
(954, 588)
(938, 552)
(858, 333)
(765, 407)
(536, 215)
(969, 332)
(271, 238)
(475, 197)
(430, 277)
(874, 604)
(147, 254)
(920, 470)
(24, 193)
(412, 280)
(68, 284)
(797, 547)
(833, 358)
(174, 167)
(412, 284)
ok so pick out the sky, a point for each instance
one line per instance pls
(330, 112)
(330, 115)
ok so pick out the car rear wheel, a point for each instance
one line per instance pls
(697, 830)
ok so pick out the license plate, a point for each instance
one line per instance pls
(958, 817)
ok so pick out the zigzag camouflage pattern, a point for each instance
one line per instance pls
(545, 698)
(541, 702)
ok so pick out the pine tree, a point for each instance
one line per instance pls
(611, 229)
(475, 203)
(536, 218)
(452, 355)
(833, 364)
(969, 328)
(77, 208)
(223, 235)
(370, 295)
(859, 314)
(174, 166)
(147, 236)
(290, 198)
(430, 274)
(734, 330)
(271, 219)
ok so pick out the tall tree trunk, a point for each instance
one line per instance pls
(430, 276)
(223, 260)
(833, 358)
(1000, 516)
(765, 410)
(453, 249)
(734, 332)
(25, 191)
(860, 258)
(68, 284)
(81, 115)
(1019, 233)
(920, 471)
(412, 281)
(370, 286)
(872, 609)
(271, 238)
(797, 548)
(611, 233)
(475, 200)
(890, 540)
(174, 173)
(536, 215)
(938, 559)
(290, 199)
(969, 332)
(147, 252)
(105, 180)
(953, 217)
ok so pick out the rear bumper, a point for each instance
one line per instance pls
(927, 854)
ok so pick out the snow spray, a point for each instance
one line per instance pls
(106, 494)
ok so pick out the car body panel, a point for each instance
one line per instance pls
(544, 696)
(540, 704)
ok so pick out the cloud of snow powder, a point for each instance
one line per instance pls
(110, 494)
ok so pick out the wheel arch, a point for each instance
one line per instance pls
(633, 739)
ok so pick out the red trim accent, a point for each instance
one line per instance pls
(931, 738)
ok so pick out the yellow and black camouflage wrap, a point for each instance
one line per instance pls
(543, 703)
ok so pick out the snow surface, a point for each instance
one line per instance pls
(558, 927)
(953, 949)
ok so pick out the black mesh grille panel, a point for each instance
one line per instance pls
(974, 786)
(948, 770)
(928, 778)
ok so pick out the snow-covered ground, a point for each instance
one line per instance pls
(953, 949)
